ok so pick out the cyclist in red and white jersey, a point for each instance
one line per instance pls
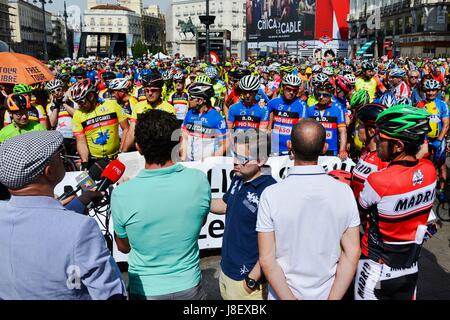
(369, 162)
(399, 87)
(398, 201)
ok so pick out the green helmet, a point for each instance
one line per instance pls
(22, 88)
(287, 69)
(404, 122)
(359, 99)
(203, 78)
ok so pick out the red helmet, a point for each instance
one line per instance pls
(344, 84)
(342, 176)
(81, 89)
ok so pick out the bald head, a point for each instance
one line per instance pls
(308, 139)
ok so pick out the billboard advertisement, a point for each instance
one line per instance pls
(280, 20)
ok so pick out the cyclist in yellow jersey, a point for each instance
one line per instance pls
(153, 84)
(366, 81)
(95, 125)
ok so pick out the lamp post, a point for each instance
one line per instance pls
(207, 21)
(43, 3)
(67, 30)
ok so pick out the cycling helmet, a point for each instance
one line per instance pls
(239, 73)
(406, 123)
(369, 113)
(292, 80)
(431, 85)
(201, 90)
(329, 71)
(397, 73)
(22, 88)
(79, 72)
(388, 99)
(80, 90)
(287, 69)
(211, 72)
(65, 77)
(245, 64)
(264, 69)
(166, 75)
(325, 86)
(54, 84)
(341, 175)
(152, 80)
(202, 78)
(406, 101)
(367, 65)
(275, 67)
(108, 75)
(18, 102)
(316, 69)
(348, 69)
(319, 78)
(120, 84)
(344, 84)
(359, 99)
(249, 83)
(351, 78)
(178, 76)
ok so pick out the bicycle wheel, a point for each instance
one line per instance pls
(443, 211)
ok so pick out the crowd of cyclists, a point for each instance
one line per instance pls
(96, 103)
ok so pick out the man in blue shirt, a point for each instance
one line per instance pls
(331, 116)
(48, 252)
(285, 112)
(241, 277)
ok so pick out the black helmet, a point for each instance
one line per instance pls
(108, 75)
(201, 90)
(152, 80)
(239, 73)
(369, 113)
(79, 72)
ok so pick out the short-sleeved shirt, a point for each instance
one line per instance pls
(180, 102)
(285, 116)
(101, 128)
(370, 86)
(332, 118)
(308, 230)
(205, 132)
(11, 130)
(161, 212)
(240, 239)
(64, 123)
(438, 110)
(244, 118)
(143, 106)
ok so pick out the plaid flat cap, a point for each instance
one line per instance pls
(24, 157)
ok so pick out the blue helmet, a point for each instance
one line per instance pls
(400, 73)
(388, 100)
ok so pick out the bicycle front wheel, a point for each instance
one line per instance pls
(443, 211)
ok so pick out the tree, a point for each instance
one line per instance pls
(56, 51)
(139, 49)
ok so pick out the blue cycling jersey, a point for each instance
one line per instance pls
(343, 103)
(262, 96)
(205, 132)
(285, 116)
(244, 118)
(92, 75)
(332, 118)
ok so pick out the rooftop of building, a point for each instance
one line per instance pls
(111, 7)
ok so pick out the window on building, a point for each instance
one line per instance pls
(390, 28)
(409, 25)
(92, 22)
(421, 22)
(399, 26)
(102, 21)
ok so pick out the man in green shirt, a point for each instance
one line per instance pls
(18, 106)
(158, 217)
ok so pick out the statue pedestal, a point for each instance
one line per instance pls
(188, 48)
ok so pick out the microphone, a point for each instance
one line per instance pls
(95, 172)
(84, 182)
(112, 173)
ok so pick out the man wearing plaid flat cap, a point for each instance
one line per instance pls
(48, 252)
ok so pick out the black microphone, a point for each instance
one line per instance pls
(95, 172)
(85, 183)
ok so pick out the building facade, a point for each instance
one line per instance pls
(154, 29)
(230, 15)
(5, 23)
(27, 24)
(59, 31)
(111, 29)
(413, 28)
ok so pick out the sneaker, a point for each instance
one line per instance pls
(441, 196)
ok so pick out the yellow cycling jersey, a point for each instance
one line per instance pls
(143, 106)
(370, 86)
(101, 128)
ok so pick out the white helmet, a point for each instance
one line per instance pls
(119, 84)
(53, 84)
(249, 83)
(178, 76)
(351, 78)
(292, 80)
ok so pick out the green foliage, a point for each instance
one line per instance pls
(139, 49)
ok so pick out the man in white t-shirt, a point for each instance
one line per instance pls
(308, 247)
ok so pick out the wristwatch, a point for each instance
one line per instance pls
(251, 283)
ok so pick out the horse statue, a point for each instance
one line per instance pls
(187, 27)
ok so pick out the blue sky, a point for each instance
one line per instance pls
(58, 5)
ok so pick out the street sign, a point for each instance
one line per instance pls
(325, 39)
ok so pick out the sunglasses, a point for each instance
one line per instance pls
(179, 81)
(57, 90)
(323, 94)
(150, 90)
(412, 77)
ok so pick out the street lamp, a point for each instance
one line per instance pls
(44, 2)
(67, 30)
(207, 21)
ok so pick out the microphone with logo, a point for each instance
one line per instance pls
(112, 173)
(84, 182)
